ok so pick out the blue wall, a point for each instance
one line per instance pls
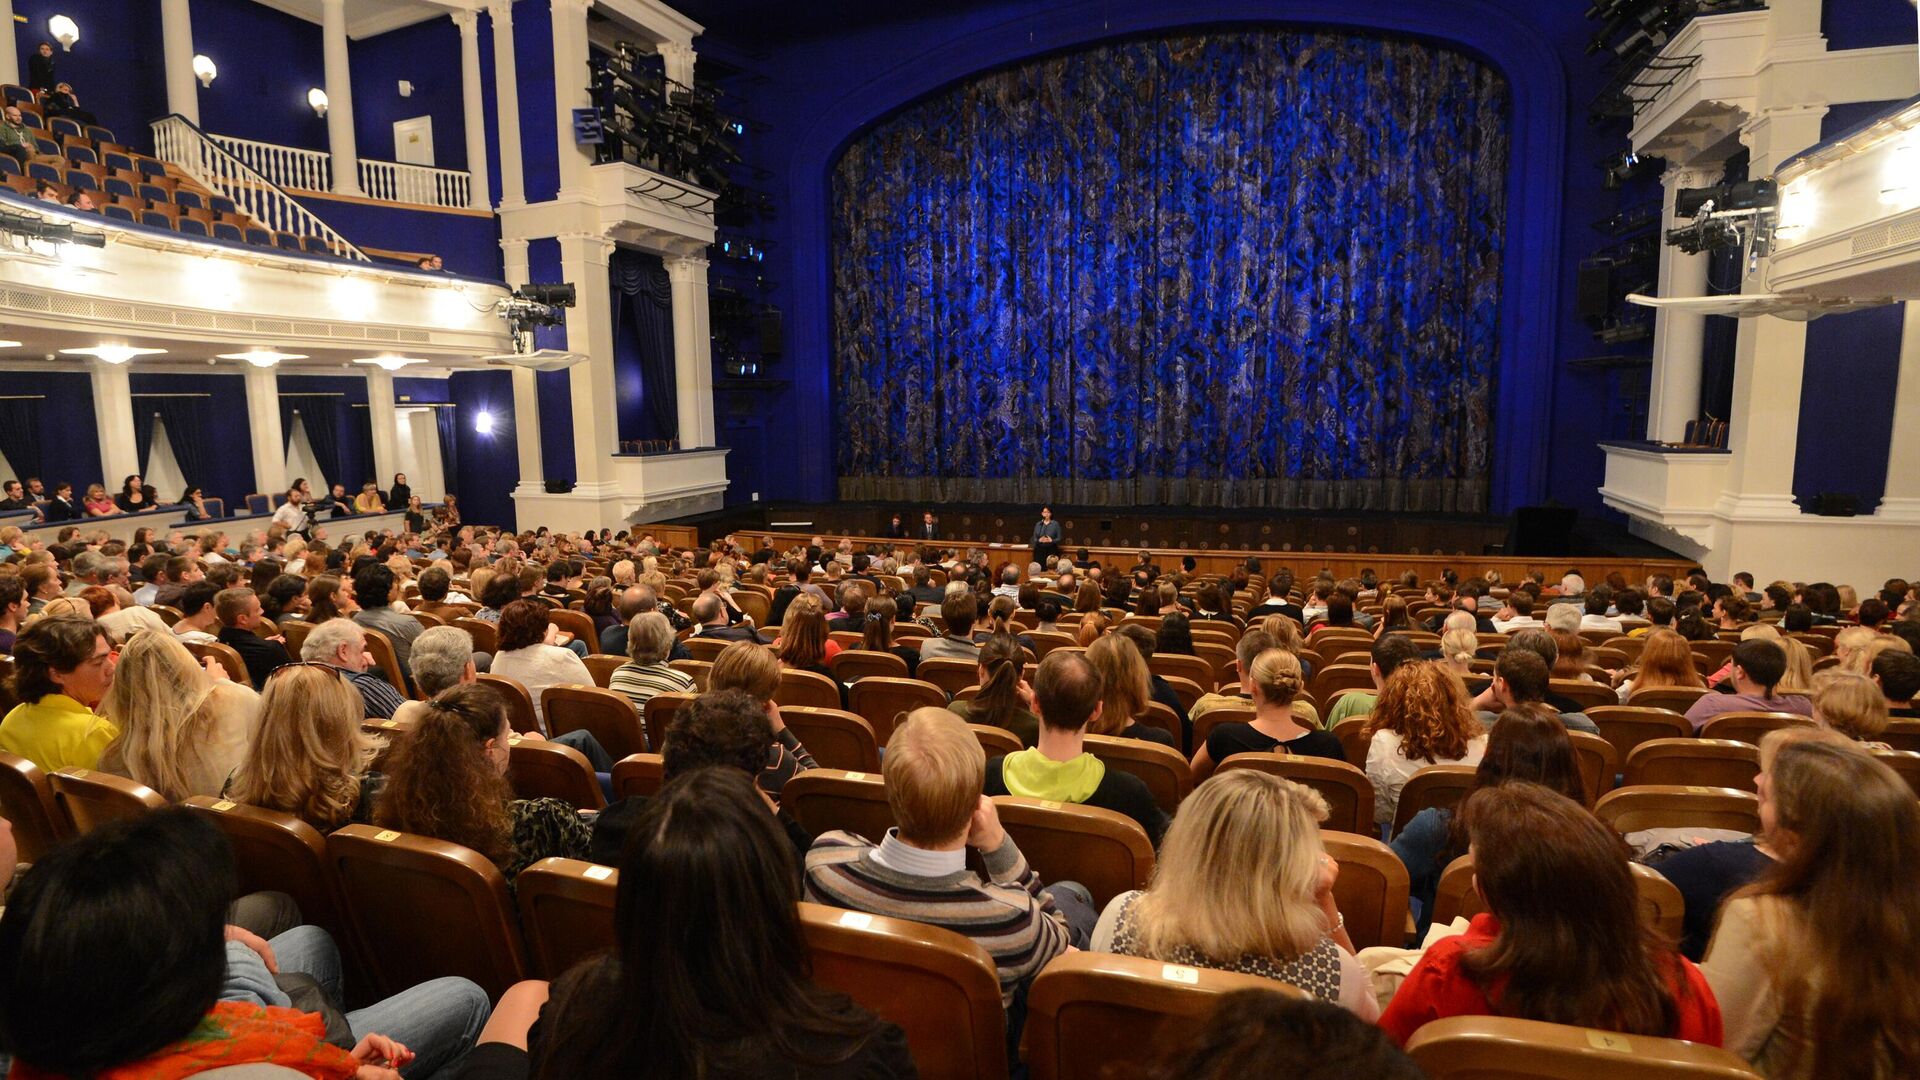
(1863, 24)
(115, 67)
(268, 61)
(228, 445)
(470, 244)
(428, 56)
(69, 435)
(533, 62)
(556, 395)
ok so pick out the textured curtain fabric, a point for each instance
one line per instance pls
(643, 342)
(447, 421)
(1248, 268)
(320, 416)
(185, 417)
(20, 436)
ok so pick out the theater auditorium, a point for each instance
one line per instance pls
(959, 539)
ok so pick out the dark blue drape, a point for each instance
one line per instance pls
(20, 436)
(447, 426)
(1244, 268)
(643, 347)
(320, 416)
(185, 416)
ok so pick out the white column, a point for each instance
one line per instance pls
(9, 48)
(176, 47)
(473, 115)
(526, 388)
(113, 411)
(692, 350)
(385, 421)
(596, 425)
(1901, 502)
(506, 86)
(678, 59)
(263, 428)
(1679, 338)
(346, 157)
(570, 79)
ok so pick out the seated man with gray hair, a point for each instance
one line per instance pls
(443, 657)
(342, 644)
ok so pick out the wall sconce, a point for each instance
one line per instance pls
(204, 70)
(317, 98)
(64, 30)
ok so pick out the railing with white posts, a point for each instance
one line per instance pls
(420, 185)
(286, 166)
(177, 140)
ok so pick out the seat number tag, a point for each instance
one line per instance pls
(856, 920)
(599, 873)
(856, 776)
(1180, 974)
(386, 836)
(223, 806)
(1609, 1040)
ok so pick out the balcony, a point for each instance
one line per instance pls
(1850, 213)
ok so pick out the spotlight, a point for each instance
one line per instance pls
(317, 101)
(483, 422)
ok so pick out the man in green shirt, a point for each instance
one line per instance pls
(16, 138)
(1389, 653)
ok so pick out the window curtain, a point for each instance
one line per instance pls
(1245, 268)
(20, 436)
(643, 338)
(320, 415)
(185, 417)
(447, 420)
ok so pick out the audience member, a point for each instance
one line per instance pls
(1898, 675)
(1275, 680)
(647, 672)
(16, 142)
(529, 653)
(1422, 719)
(342, 645)
(1005, 700)
(62, 670)
(1385, 658)
(877, 633)
(1129, 689)
(13, 608)
(199, 616)
(309, 756)
(803, 644)
(1758, 666)
(373, 590)
(753, 670)
(1524, 676)
(1666, 660)
(184, 725)
(1265, 1033)
(710, 612)
(958, 610)
(239, 613)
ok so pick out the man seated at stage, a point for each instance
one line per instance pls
(929, 527)
(1898, 676)
(711, 614)
(959, 609)
(1067, 693)
(1758, 667)
(1522, 677)
(1387, 655)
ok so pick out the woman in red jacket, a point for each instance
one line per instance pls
(1563, 939)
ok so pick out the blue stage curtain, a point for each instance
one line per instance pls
(320, 416)
(185, 417)
(447, 426)
(648, 405)
(20, 436)
(1247, 268)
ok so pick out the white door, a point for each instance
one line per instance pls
(413, 141)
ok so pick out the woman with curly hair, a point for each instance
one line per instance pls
(447, 778)
(803, 644)
(309, 757)
(1422, 718)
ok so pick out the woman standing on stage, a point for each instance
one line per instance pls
(1046, 538)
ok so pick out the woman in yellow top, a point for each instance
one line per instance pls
(62, 670)
(369, 501)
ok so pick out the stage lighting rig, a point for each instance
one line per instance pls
(35, 228)
(531, 307)
(1726, 215)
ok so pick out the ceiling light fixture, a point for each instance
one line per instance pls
(64, 30)
(204, 69)
(317, 100)
(112, 354)
(262, 358)
(390, 362)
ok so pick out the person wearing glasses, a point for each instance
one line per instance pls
(63, 668)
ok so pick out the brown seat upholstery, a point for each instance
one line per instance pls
(1371, 891)
(566, 912)
(1486, 1047)
(1104, 850)
(1204, 724)
(426, 908)
(540, 768)
(836, 738)
(295, 631)
(171, 615)
(577, 623)
(26, 801)
(278, 852)
(808, 688)
(638, 774)
(1186, 689)
(881, 700)
(1598, 762)
(1161, 768)
(1352, 733)
(88, 798)
(1157, 714)
(1590, 695)
(603, 665)
(380, 648)
(1348, 792)
(1693, 806)
(519, 703)
(1904, 762)
(1179, 666)
(1090, 1014)
(1627, 726)
(661, 709)
(823, 800)
(1902, 734)
(1219, 656)
(607, 714)
(1441, 786)
(852, 664)
(1677, 698)
(706, 648)
(997, 742)
(1660, 899)
(229, 658)
(757, 605)
(1709, 656)
(939, 987)
(699, 670)
(427, 620)
(1747, 727)
(485, 635)
(1712, 762)
(950, 674)
(1045, 641)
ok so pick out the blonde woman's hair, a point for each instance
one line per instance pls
(1846, 702)
(1799, 675)
(935, 771)
(1761, 630)
(1460, 646)
(1237, 872)
(1848, 642)
(164, 703)
(1276, 675)
(748, 667)
(1861, 662)
(310, 753)
(1284, 632)
(1128, 684)
(623, 573)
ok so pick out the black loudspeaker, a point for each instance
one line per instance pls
(770, 332)
(1836, 504)
(559, 487)
(1594, 298)
(1542, 530)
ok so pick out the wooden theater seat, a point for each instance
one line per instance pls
(577, 623)
(852, 665)
(566, 912)
(602, 666)
(997, 742)
(608, 715)
(1104, 850)
(638, 774)
(1598, 762)
(380, 648)
(1748, 727)
(1486, 1047)
(1441, 786)
(88, 798)
(520, 712)
(26, 801)
(661, 709)
(1371, 891)
(809, 688)
(1660, 899)
(1348, 792)
(1693, 806)
(823, 800)
(274, 851)
(1712, 762)
(541, 768)
(228, 657)
(1161, 768)
(836, 738)
(951, 675)
(881, 700)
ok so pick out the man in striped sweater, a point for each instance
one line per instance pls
(934, 771)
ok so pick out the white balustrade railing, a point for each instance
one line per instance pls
(421, 185)
(262, 199)
(285, 166)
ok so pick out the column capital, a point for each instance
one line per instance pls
(678, 58)
(686, 268)
(338, 4)
(467, 19)
(1691, 176)
(596, 247)
(501, 11)
(571, 5)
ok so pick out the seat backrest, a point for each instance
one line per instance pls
(851, 664)
(806, 688)
(541, 768)
(997, 742)
(380, 647)
(1348, 792)
(228, 656)
(1660, 899)
(950, 674)
(660, 711)
(1336, 677)
(602, 666)
(1902, 734)
(1105, 850)
(1179, 665)
(1627, 726)
(1090, 1014)
(426, 908)
(698, 670)
(607, 714)
(706, 648)
(941, 988)
(1666, 806)
(836, 738)
(566, 912)
(1904, 762)
(823, 800)
(1441, 786)
(1371, 891)
(519, 703)
(295, 631)
(1712, 762)
(1590, 695)
(577, 623)
(1598, 762)
(880, 700)
(26, 801)
(485, 635)
(1677, 698)
(1161, 768)
(1748, 727)
(638, 774)
(278, 852)
(88, 798)
(1479, 1047)
(1204, 724)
